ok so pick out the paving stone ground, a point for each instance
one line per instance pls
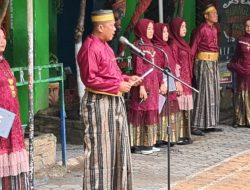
(188, 160)
(231, 174)
(218, 161)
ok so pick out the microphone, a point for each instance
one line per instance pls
(132, 47)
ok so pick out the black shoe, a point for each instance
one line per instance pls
(216, 129)
(205, 130)
(197, 132)
(235, 125)
(188, 140)
(163, 144)
(135, 149)
(160, 145)
(166, 143)
(184, 141)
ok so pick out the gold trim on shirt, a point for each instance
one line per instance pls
(104, 93)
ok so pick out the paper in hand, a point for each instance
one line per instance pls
(171, 83)
(162, 100)
(6, 121)
(147, 73)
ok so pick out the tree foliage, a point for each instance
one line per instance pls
(80, 24)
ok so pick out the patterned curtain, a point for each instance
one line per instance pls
(140, 9)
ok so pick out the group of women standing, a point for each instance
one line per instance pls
(165, 47)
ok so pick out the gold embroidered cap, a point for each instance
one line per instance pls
(102, 15)
(209, 8)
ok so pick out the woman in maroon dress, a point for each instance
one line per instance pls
(143, 114)
(14, 165)
(170, 109)
(183, 57)
(240, 64)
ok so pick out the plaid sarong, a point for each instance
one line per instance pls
(207, 102)
(107, 157)
(175, 122)
(242, 108)
(19, 182)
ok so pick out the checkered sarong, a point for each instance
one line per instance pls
(207, 102)
(18, 182)
(107, 158)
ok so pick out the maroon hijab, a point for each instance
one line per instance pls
(140, 30)
(161, 60)
(158, 34)
(247, 35)
(158, 41)
(174, 32)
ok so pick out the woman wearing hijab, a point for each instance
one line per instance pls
(240, 64)
(183, 57)
(14, 165)
(170, 109)
(143, 114)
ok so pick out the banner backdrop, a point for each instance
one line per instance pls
(232, 14)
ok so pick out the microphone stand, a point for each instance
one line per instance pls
(165, 71)
(169, 74)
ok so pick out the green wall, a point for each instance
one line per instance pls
(18, 52)
(52, 28)
(189, 15)
(19, 49)
(41, 50)
(130, 8)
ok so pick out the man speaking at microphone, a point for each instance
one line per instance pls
(107, 159)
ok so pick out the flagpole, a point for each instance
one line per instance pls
(30, 28)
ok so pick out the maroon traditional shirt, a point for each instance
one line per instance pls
(150, 82)
(98, 67)
(160, 58)
(181, 53)
(183, 59)
(9, 101)
(240, 63)
(205, 39)
(146, 112)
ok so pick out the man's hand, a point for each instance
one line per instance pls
(135, 80)
(125, 86)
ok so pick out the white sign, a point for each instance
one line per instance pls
(235, 2)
